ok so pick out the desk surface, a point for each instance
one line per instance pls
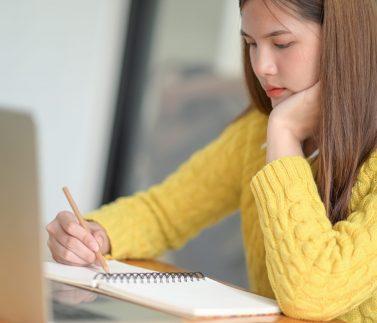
(75, 304)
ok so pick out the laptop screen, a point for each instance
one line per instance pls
(21, 292)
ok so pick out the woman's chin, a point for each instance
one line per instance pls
(276, 101)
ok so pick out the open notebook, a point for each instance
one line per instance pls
(186, 294)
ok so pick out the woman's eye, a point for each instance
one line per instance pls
(282, 46)
(252, 44)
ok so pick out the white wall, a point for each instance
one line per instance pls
(60, 59)
(229, 57)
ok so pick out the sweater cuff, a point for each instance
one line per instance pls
(281, 173)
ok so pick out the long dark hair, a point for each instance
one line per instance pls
(348, 108)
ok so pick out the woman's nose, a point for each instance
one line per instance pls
(264, 64)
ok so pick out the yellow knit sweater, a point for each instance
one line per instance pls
(293, 253)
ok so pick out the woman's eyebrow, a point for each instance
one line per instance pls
(271, 34)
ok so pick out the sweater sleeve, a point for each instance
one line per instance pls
(317, 271)
(202, 191)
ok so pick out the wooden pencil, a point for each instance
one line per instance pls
(83, 224)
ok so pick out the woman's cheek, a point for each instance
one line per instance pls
(305, 71)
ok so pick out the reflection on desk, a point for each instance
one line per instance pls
(71, 304)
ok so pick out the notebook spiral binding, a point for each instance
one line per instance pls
(156, 277)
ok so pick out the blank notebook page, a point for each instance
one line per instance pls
(201, 298)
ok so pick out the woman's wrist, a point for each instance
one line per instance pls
(281, 142)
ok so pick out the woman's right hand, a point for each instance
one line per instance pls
(71, 244)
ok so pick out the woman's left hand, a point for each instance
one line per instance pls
(299, 113)
(292, 122)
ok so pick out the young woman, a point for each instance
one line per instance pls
(302, 167)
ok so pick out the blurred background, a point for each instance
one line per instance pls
(122, 92)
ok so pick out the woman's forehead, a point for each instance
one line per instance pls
(263, 16)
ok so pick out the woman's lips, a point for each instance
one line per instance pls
(275, 92)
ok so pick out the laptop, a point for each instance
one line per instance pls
(22, 296)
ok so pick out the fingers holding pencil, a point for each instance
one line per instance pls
(66, 231)
(78, 215)
(72, 244)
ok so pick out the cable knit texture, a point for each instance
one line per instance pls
(315, 270)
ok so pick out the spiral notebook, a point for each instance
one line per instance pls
(187, 294)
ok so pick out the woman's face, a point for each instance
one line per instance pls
(284, 48)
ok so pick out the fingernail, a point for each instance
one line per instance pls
(93, 245)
